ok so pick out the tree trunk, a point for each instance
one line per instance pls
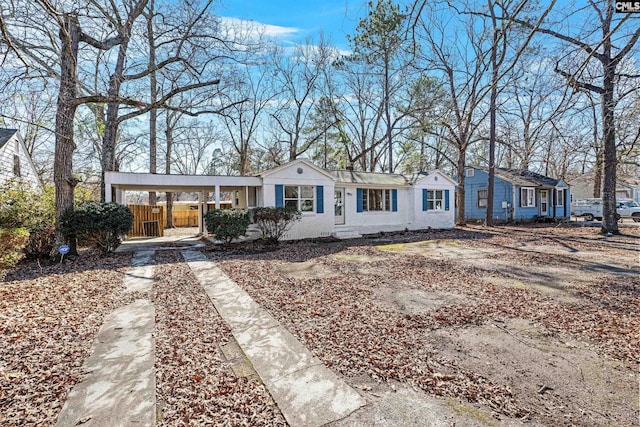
(609, 220)
(462, 159)
(63, 178)
(169, 137)
(110, 140)
(492, 121)
(153, 114)
(387, 113)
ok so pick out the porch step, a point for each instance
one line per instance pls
(346, 234)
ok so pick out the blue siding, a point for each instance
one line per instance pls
(501, 193)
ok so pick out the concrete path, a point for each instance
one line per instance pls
(119, 389)
(307, 392)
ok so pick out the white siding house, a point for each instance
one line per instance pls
(341, 203)
(15, 162)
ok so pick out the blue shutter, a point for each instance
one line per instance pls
(424, 199)
(358, 199)
(319, 199)
(394, 200)
(446, 200)
(279, 195)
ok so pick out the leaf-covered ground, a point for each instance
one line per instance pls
(438, 311)
(194, 384)
(341, 309)
(48, 319)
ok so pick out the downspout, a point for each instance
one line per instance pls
(514, 189)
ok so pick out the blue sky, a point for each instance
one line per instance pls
(294, 20)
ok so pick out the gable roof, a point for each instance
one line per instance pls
(6, 135)
(296, 162)
(524, 178)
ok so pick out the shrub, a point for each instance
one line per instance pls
(41, 241)
(32, 212)
(275, 222)
(227, 224)
(12, 240)
(98, 224)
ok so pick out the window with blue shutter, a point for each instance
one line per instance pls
(359, 199)
(446, 200)
(279, 195)
(319, 199)
(424, 199)
(394, 200)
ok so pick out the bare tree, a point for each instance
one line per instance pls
(618, 34)
(461, 63)
(299, 72)
(25, 45)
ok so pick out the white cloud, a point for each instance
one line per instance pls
(256, 29)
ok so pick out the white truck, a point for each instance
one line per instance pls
(592, 208)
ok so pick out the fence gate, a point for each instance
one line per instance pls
(148, 221)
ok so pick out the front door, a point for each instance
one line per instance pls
(338, 205)
(544, 203)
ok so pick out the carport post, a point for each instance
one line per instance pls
(217, 196)
(200, 212)
(119, 196)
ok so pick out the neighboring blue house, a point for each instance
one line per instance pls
(519, 195)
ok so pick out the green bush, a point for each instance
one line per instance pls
(227, 224)
(21, 206)
(12, 240)
(30, 211)
(275, 222)
(98, 224)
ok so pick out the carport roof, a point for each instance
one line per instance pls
(175, 183)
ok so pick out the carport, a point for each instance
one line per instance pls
(245, 189)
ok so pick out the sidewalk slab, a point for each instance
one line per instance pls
(140, 277)
(119, 388)
(306, 391)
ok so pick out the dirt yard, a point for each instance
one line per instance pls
(510, 325)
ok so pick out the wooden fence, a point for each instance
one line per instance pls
(147, 221)
(185, 218)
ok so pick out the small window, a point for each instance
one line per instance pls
(528, 197)
(469, 172)
(16, 166)
(374, 199)
(435, 200)
(483, 197)
(559, 197)
(299, 197)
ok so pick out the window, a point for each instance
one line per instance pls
(435, 199)
(469, 172)
(560, 197)
(16, 165)
(299, 197)
(376, 200)
(528, 197)
(483, 196)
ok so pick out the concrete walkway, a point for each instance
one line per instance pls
(119, 389)
(307, 392)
